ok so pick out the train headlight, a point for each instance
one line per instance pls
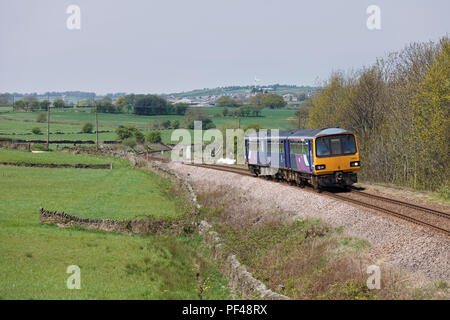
(355, 164)
(320, 167)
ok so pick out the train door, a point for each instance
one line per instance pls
(287, 154)
(310, 155)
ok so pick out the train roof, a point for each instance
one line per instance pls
(307, 133)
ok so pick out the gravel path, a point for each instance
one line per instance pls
(399, 243)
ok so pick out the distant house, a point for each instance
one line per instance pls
(184, 100)
(289, 97)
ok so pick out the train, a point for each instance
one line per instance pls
(327, 157)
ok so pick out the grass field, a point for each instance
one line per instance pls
(7, 155)
(35, 256)
(70, 122)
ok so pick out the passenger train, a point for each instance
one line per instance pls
(325, 157)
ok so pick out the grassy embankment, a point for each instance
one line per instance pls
(35, 256)
(305, 258)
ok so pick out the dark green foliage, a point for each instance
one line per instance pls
(59, 103)
(106, 106)
(87, 128)
(129, 142)
(36, 130)
(227, 102)
(42, 117)
(175, 124)
(127, 132)
(154, 137)
(150, 104)
(268, 100)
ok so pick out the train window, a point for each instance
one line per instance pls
(322, 147)
(335, 145)
(294, 147)
(275, 147)
(298, 147)
(348, 144)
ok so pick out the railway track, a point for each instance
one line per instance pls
(420, 215)
(430, 218)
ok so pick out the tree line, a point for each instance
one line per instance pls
(399, 108)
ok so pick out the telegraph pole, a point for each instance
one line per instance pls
(96, 125)
(48, 124)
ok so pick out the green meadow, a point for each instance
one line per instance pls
(67, 124)
(35, 256)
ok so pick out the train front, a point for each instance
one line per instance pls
(336, 160)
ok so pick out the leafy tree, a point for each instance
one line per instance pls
(272, 101)
(42, 117)
(180, 108)
(225, 101)
(44, 104)
(20, 105)
(59, 103)
(431, 131)
(34, 105)
(87, 128)
(36, 130)
(175, 124)
(165, 124)
(105, 106)
(129, 132)
(150, 105)
(129, 142)
(154, 137)
(256, 99)
(120, 104)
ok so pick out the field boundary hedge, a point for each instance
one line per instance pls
(56, 141)
(60, 165)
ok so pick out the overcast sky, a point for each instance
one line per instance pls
(162, 46)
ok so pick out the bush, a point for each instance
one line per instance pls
(128, 132)
(129, 142)
(154, 137)
(38, 147)
(139, 136)
(87, 128)
(42, 117)
(36, 130)
(175, 124)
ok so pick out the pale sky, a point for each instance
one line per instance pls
(162, 46)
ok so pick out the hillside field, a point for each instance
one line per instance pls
(66, 125)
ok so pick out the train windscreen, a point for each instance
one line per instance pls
(338, 145)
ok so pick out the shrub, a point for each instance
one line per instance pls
(154, 137)
(175, 124)
(38, 147)
(129, 142)
(87, 128)
(127, 132)
(42, 117)
(36, 130)
(139, 136)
